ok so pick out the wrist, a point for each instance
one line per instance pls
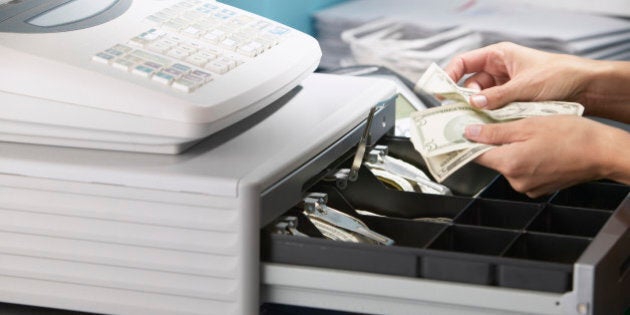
(615, 162)
(589, 75)
(605, 91)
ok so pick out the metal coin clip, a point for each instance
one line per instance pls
(344, 175)
(287, 225)
(360, 154)
(315, 208)
(378, 158)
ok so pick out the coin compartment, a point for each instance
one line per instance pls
(500, 189)
(499, 214)
(552, 248)
(594, 195)
(569, 221)
(466, 239)
(497, 236)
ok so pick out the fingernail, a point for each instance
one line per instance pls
(472, 131)
(479, 100)
(474, 86)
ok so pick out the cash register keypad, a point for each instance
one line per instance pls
(193, 43)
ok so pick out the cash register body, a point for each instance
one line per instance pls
(125, 233)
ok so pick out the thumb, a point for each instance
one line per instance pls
(495, 134)
(497, 96)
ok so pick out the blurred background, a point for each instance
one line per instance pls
(408, 35)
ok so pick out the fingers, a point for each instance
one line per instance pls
(497, 96)
(490, 75)
(499, 160)
(469, 62)
(540, 191)
(480, 81)
(512, 155)
(495, 134)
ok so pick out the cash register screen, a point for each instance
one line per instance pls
(52, 16)
(71, 12)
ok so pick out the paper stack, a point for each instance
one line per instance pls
(408, 35)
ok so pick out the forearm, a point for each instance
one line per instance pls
(607, 89)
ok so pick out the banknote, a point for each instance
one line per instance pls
(437, 133)
(518, 110)
(438, 136)
(443, 166)
(440, 130)
(437, 82)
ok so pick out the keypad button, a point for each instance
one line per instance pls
(143, 71)
(153, 65)
(214, 36)
(156, 19)
(217, 67)
(229, 43)
(192, 31)
(279, 30)
(123, 64)
(197, 60)
(173, 25)
(181, 67)
(163, 77)
(185, 85)
(208, 55)
(188, 48)
(193, 78)
(123, 48)
(175, 73)
(251, 49)
(151, 57)
(146, 38)
(202, 74)
(193, 15)
(159, 47)
(260, 25)
(103, 58)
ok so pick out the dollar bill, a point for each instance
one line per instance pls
(440, 130)
(438, 133)
(437, 82)
(443, 166)
(518, 110)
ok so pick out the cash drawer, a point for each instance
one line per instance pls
(573, 244)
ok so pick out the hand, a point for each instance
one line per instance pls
(506, 72)
(540, 155)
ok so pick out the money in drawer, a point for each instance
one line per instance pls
(565, 253)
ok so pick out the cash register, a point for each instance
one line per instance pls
(148, 76)
(132, 183)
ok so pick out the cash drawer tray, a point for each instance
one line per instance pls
(498, 237)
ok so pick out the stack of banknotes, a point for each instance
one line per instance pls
(437, 133)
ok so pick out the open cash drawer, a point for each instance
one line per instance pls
(573, 244)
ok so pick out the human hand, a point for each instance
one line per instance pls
(507, 72)
(540, 155)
